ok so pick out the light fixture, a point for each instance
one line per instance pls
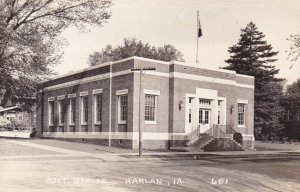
(232, 109)
(180, 104)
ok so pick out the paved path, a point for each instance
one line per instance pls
(54, 168)
(114, 154)
(102, 156)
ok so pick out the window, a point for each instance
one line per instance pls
(204, 116)
(122, 108)
(200, 116)
(72, 110)
(61, 112)
(98, 107)
(190, 115)
(241, 114)
(219, 117)
(51, 112)
(150, 108)
(204, 101)
(84, 109)
(190, 99)
(219, 102)
(20, 117)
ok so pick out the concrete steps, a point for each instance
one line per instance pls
(223, 144)
(209, 143)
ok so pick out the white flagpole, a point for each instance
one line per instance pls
(197, 61)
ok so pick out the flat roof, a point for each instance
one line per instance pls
(143, 59)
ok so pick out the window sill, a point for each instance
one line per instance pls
(122, 122)
(97, 123)
(150, 122)
(60, 125)
(242, 126)
(72, 124)
(83, 123)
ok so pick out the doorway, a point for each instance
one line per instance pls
(204, 119)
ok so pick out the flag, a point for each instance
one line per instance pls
(199, 28)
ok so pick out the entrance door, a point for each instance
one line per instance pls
(204, 119)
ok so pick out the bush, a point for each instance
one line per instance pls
(238, 138)
(292, 129)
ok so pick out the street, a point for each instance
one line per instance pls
(35, 165)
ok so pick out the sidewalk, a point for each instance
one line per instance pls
(118, 154)
(64, 151)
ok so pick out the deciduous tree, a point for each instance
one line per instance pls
(291, 116)
(294, 51)
(29, 37)
(133, 47)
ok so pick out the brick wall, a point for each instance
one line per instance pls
(170, 119)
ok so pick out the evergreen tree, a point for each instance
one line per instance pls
(252, 55)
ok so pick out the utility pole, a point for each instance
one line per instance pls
(141, 70)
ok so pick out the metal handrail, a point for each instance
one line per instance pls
(191, 136)
(194, 134)
(223, 131)
(226, 129)
(215, 131)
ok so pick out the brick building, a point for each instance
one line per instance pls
(180, 102)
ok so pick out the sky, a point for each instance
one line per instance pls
(160, 22)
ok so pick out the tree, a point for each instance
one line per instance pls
(291, 103)
(291, 100)
(294, 51)
(133, 47)
(30, 41)
(294, 88)
(252, 55)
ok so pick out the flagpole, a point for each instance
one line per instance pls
(197, 37)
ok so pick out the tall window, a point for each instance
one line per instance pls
(219, 117)
(241, 114)
(200, 116)
(61, 112)
(150, 108)
(51, 112)
(84, 109)
(190, 115)
(206, 118)
(98, 107)
(122, 108)
(72, 110)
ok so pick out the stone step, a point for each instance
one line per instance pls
(200, 141)
(223, 144)
(211, 144)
